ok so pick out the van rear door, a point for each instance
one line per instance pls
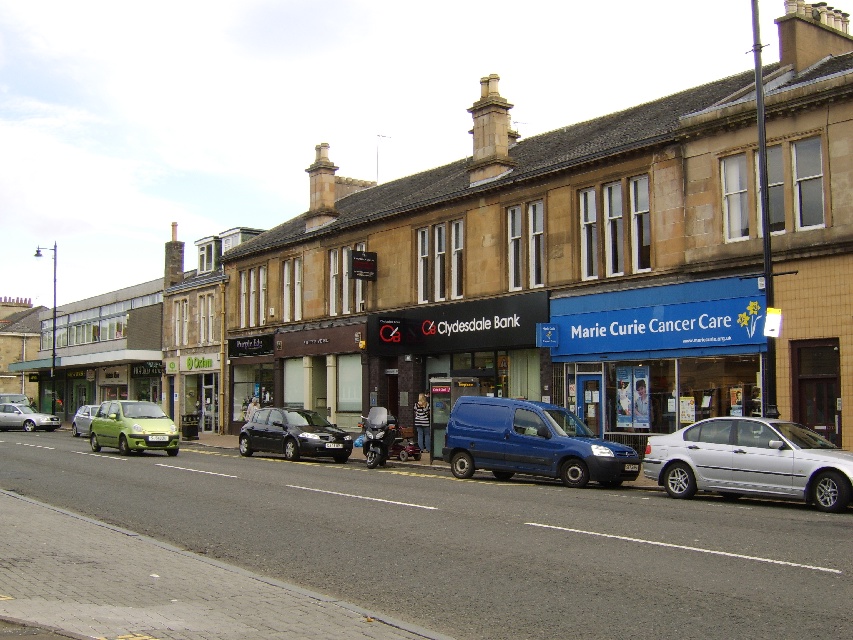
(482, 429)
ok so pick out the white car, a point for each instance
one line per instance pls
(737, 457)
(82, 423)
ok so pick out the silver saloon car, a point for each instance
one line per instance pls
(17, 416)
(736, 457)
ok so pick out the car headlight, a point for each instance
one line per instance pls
(347, 437)
(136, 428)
(600, 450)
(173, 428)
(309, 436)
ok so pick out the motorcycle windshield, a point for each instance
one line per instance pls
(377, 415)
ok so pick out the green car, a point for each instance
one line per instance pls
(134, 425)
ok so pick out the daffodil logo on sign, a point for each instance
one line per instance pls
(750, 317)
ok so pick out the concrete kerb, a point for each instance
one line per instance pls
(227, 441)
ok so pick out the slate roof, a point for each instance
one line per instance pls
(639, 127)
(26, 321)
(193, 280)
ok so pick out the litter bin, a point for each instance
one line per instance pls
(189, 426)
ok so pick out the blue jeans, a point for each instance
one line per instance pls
(423, 438)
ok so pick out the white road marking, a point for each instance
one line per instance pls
(686, 548)
(100, 455)
(209, 473)
(350, 495)
(36, 446)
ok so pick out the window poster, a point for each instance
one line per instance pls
(688, 410)
(641, 398)
(624, 397)
(632, 397)
(736, 397)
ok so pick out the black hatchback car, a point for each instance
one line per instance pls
(295, 433)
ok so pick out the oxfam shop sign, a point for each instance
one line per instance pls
(690, 325)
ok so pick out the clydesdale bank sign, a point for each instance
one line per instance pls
(497, 323)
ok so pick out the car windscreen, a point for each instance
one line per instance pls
(309, 421)
(565, 423)
(142, 410)
(803, 437)
(25, 409)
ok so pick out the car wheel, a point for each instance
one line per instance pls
(574, 474)
(372, 459)
(29, 425)
(341, 459)
(74, 431)
(404, 455)
(830, 492)
(123, 447)
(291, 450)
(245, 448)
(462, 465)
(172, 452)
(679, 482)
(93, 440)
(503, 475)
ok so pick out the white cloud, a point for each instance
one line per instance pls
(117, 118)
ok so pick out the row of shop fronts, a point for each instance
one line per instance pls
(638, 361)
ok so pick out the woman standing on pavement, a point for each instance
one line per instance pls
(422, 422)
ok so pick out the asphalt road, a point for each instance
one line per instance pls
(471, 559)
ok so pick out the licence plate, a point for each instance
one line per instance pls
(158, 438)
(632, 467)
(334, 445)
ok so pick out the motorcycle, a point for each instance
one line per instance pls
(380, 432)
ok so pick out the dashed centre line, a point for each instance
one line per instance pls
(351, 495)
(209, 473)
(668, 545)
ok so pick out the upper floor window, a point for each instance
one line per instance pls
(206, 320)
(808, 183)
(205, 258)
(291, 294)
(641, 232)
(589, 234)
(346, 282)
(535, 246)
(244, 299)
(440, 262)
(775, 189)
(423, 264)
(457, 238)
(735, 206)
(513, 221)
(253, 296)
(182, 321)
(334, 274)
(536, 243)
(359, 288)
(615, 230)
(798, 202)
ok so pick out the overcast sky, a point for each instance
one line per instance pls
(118, 118)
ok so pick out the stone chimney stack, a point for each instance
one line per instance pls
(322, 176)
(810, 32)
(492, 132)
(174, 272)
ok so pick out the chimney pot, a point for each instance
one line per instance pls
(174, 232)
(484, 87)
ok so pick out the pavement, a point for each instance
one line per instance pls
(158, 591)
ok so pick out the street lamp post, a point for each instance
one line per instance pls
(53, 335)
(768, 386)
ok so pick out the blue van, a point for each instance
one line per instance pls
(508, 436)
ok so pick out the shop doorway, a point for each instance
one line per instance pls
(817, 384)
(391, 381)
(209, 403)
(590, 399)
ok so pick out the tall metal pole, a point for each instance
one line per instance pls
(53, 342)
(768, 382)
(53, 335)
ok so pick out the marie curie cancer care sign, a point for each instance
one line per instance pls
(717, 323)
